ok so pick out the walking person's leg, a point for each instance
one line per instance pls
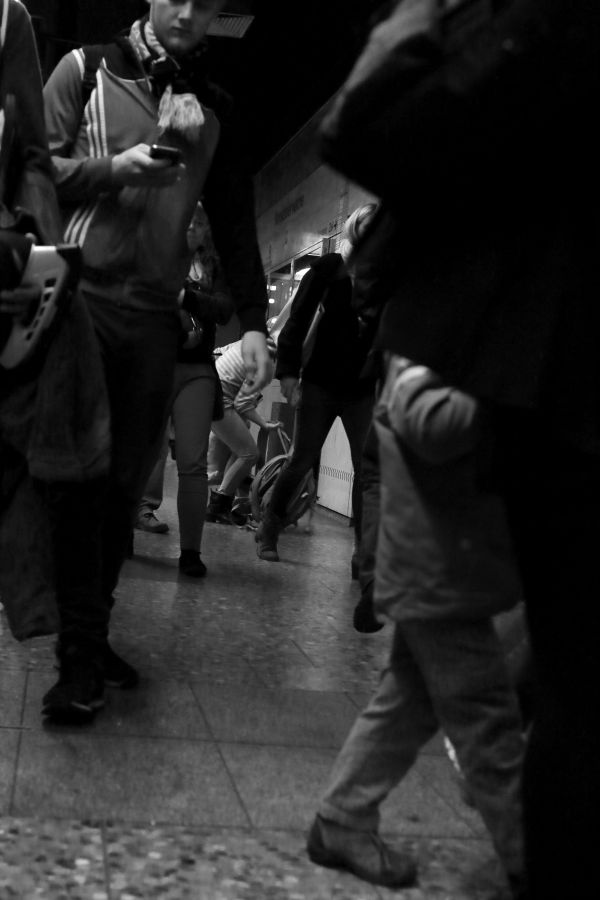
(140, 386)
(464, 667)
(93, 524)
(232, 431)
(192, 413)
(153, 492)
(315, 415)
(380, 749)
(356, 416)
(218, 458)
(364, 615)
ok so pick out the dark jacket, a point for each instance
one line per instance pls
(495, 285)
(28, 180)
(340, 350)
(208, 301)
(444, 549)
(54, 418)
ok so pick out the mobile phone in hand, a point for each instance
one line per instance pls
(172, 154)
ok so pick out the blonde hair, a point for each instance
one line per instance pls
(354, 227)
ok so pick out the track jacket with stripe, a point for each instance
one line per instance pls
(134, 238)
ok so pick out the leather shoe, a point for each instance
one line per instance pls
(147, 521)
(361, 852)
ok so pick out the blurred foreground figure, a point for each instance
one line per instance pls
(493, 203)
(444, 569)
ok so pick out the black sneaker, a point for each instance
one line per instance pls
(117, 672)
(79, 692)
(147, 521)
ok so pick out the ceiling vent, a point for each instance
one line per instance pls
(230, 24)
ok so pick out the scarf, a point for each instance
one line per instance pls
(179, 109)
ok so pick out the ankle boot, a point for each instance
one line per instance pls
(266, 537)
(219, 508)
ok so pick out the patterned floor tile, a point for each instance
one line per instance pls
(51, 860)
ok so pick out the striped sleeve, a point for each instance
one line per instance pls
(230, 365)
(81, 179)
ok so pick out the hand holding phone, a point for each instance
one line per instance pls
(138, 167)
(171, 154)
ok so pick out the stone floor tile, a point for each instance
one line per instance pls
(66, 774)
(282, 629)
(180, 864)
(12, 694)
(51, 860)
(279, 786)
(9, 743)
(156, 708)
(260, 716)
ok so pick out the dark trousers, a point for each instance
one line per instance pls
(92, 523)
(370, 481)
(552, 493)
(317, 411)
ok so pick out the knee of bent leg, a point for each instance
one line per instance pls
(249, 454)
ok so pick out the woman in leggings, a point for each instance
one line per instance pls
(196, 398)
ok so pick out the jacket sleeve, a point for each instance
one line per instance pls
(304, 305)
(34, 190)
(229, 203)
(438, 423)
(76, 179)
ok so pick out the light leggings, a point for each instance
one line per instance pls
(233, 431)
(191, 415)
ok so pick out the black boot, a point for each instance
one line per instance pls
(266, 537)
(219, 508)
(364, 618)
(191, 564)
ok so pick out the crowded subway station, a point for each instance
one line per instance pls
(299, 449)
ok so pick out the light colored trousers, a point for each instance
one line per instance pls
(448, 674)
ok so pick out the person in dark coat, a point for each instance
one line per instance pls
(332, 381)
(498, 292)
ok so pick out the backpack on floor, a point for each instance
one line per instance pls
(264, 482)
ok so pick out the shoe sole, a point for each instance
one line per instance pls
(73, 713)
(268, 555)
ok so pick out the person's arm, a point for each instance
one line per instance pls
(437, 422)
(76, 179)
(33, 189)
(229, 203)
(253, 415)
(86, 178)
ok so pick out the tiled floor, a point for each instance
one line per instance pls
(201, 783)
